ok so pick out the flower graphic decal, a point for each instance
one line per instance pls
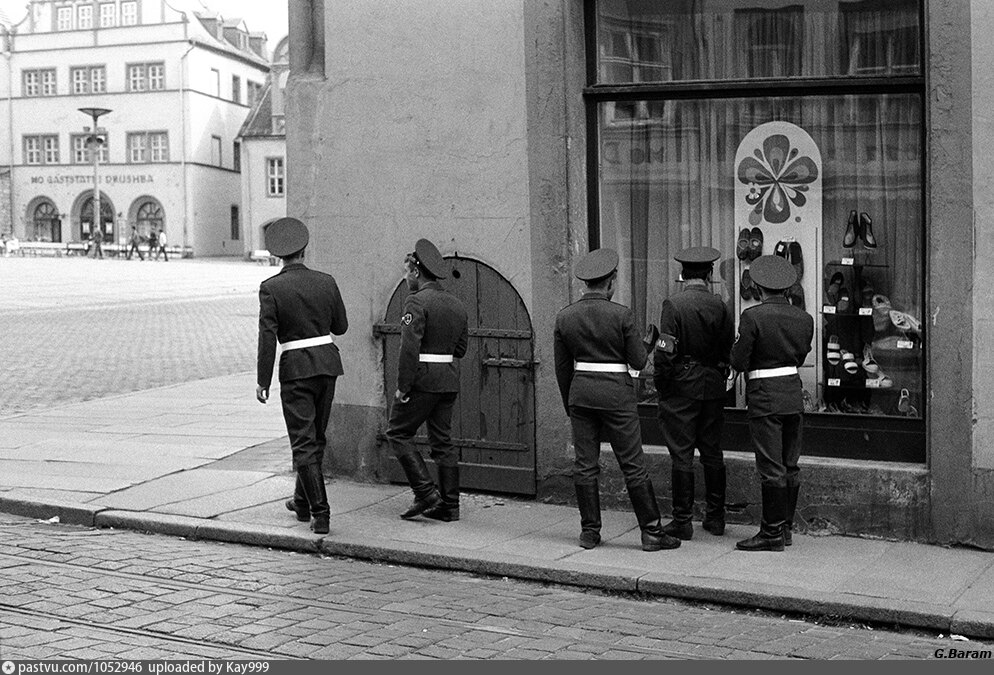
(777, 177)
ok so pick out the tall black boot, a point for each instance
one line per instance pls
(312, 481)
(654, 537)
(588, 500)
(788, 525)
(298, 504)
(714, 494)
(770, 535)
(682, 483)
(448, 486)
(425, 493)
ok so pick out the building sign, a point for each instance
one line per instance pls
(108, 179)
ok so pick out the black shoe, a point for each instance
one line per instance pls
(320, 525)
(303, 513)
(422, 504)
(655, 539)
(448, 488)
(715, 526)
(589, 539)
(852, 231)
(866, 231)
(770, 536)
(684, 531)
(446, 514)
(765, 540)
(312, 484)
(714, 495)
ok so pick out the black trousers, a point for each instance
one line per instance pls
(776, 440)
(686, 424)
(433, 409)
(306, 409)
(134, 249)
(623, 432)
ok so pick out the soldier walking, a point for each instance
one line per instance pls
(690, 360)
(301, 308)
(434, 333)
(774, 339)
(596, 343)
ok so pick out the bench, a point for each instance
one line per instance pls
(36, 248)
(263, 256)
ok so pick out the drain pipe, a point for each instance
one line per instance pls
(182, 159)
(8, 45)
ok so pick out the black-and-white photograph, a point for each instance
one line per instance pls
(494, 330)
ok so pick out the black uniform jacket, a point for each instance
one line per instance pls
(704, 330)
(595, 330)
(772, 335)
(434, 322)
(296, 304)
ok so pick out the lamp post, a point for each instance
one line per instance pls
(93, 142)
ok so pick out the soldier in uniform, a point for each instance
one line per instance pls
(434, 333)
(774, 339)
(596, 343)
(301, 308)
(690, 359)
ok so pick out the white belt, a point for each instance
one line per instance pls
(307, 342)
(763, 373)
(435, 358)
(588, 367)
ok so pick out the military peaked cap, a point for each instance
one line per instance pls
(427, 257)
(285, 236)
(596, 264)
(772, 272)
(698, 255)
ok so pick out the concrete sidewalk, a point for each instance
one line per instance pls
(205, 460)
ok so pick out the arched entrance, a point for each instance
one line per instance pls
(493, 424)
(86, 217)
(45, 222)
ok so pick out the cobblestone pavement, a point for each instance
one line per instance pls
(76, 329)
(72, 592)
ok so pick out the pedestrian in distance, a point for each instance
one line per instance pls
(133, 241)
(774, 339)
(153, 243)
(97, 242)
(160, 243)
(301, 309)
(434, 334)
(596, 345)
(690, 363)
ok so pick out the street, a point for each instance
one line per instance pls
(84, 329)
(74, 593)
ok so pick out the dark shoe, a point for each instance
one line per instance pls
(312, 483)
(834, 285)
(782, 250)
(742, 248)
(866, 231)
(647, 513)
(770, 535)
(682, 487)
(422, 504)
(714, 494)
(588, 500)
(747, 289)
(852, 230)
(654, 539)
(425, 493)
(448, 487)
(303, 513)
(755, 243)
(589, 540)
(797, 259)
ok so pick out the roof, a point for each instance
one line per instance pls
(260, 119)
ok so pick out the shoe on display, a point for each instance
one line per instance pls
(844, 305)
(833, 350)
(852, 227)
(755, 243)
(797, 258)
(849, 363)
(833, 287)
(869, 364)
(795, 296)
(781, 250)
(881, 312)
(905, 322)
(742, 248)
(746, 286)
(904, 402)
(866, 231)
(881, 381)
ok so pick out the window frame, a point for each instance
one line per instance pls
(88, 13)
(103, 154)
(88, 79)
(65, 18)
(132, 13)
(276, 181)
(45, 150)
(152, 147)
(45, 82)
(145, 76)
(108, 19)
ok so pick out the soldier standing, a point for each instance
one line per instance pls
(774, 339)
(434, 333)
(301, 308)
(596, 343)
(696, 331)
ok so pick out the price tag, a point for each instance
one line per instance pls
(866, 311)
(828, 309)
(905, 344)
(874, 384)
(834, 382)
(848, 261)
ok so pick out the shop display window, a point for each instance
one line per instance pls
(830, 179)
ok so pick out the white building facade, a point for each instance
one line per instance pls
(263, 145)
(178, 87)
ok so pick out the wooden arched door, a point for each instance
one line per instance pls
(493, 424)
